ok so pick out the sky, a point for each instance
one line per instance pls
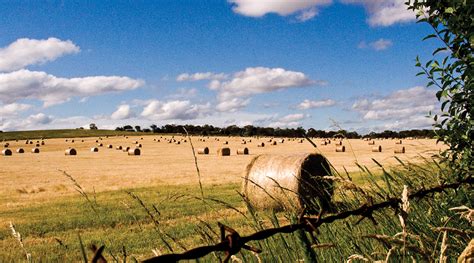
(323, 64)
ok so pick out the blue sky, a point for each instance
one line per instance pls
(280, 63)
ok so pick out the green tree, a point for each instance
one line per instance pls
(451, 71)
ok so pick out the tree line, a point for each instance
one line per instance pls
(250, 130)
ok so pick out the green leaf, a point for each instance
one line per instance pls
(449, 10)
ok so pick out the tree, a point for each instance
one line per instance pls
(138, 128)
(92, 126)
(453, 24)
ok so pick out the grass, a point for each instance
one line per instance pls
(174, 218)
(66, 133)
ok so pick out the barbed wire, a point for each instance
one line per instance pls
(232, 243)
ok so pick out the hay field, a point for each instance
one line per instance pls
(28, 178)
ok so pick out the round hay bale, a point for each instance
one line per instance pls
(72, 141)
(35, 150)
(398, 142)
(324, 143)
(328, 141)
(82, 140)
(135, 142)
(20, 150)
(6, 145)
(261, 144)
(94, 149)
(204, 150)
(243, 142)
(377, 149)
(340, 149)
(273, 143)
(178, 142)
(100, 145)
(27, 142)
(223, 151)
(301, 141)
(139, 145)
(66, 140)
(287, 182)
(371, 143)
(125, 149)
(96, 140)
(225, 143)
(243, 151)
(42, 143)
(70, 151)
(399, 150)
(118, 147)
(135, 151)
(37, 145)
(7, 152)
(31, 142)
(110, 146)
(339, 143)
(281, 141)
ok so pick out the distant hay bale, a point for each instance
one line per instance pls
(261, 144)
(301, 141)
(377, 149)
(399, 150)
(135, 142)
(339, 143)
(328, 141)
(139, 145)
(94, 149)
(6, 145)
(31, 142)
(66, 140)
(340, 149)
(243, 151)
(110, 146)
(96, 140)
(42, 143)
(398, 142)
(37, 145)
(70, 151)
(204, 150)
(243, 142)
(72, 141)
(100, 145)
(223, 151)
(225, 143)
(125, 149)
(27, 142)
(371, 142)
(135, 151)
(20, 150)
(287, 182)
(324, 143)
(273, 143)
(7, 152)
(281, 141)
(35, 150)
(118, 147)
(82, 140)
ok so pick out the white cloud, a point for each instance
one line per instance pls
(399, 106)
(13, 108)
(24, 52)
(311, 104)
(291, 120)
(232, 105)
(385, 12)
(39, 118)
(305, 9)
(174, 110)
(378, 45)
(122, 112)
(23, 84)
(183, 93)
(200, 76)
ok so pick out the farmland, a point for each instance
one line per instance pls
(44, 203)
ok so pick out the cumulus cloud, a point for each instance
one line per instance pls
(25, 51)
(291, 120)
(13, 108)
(378, 45)
(122, 112)
(232, 105)
(305, 9)
(200, 76)
(174, 110)
(183, 93)
(400, 105)
(252, 81)
(385, 12)
(25, 84)
(311, 104)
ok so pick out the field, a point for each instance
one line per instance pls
(48, 211)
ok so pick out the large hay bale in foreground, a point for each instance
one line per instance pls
(135, 151)
(287, 182)
(243, 151)
(7, 152)
(70, 151)
(340, 149)
(35, 150)
(223, 151)
(399, 150)
(377, 149)
(204, 150)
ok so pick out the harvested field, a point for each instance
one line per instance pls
(168, 164)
